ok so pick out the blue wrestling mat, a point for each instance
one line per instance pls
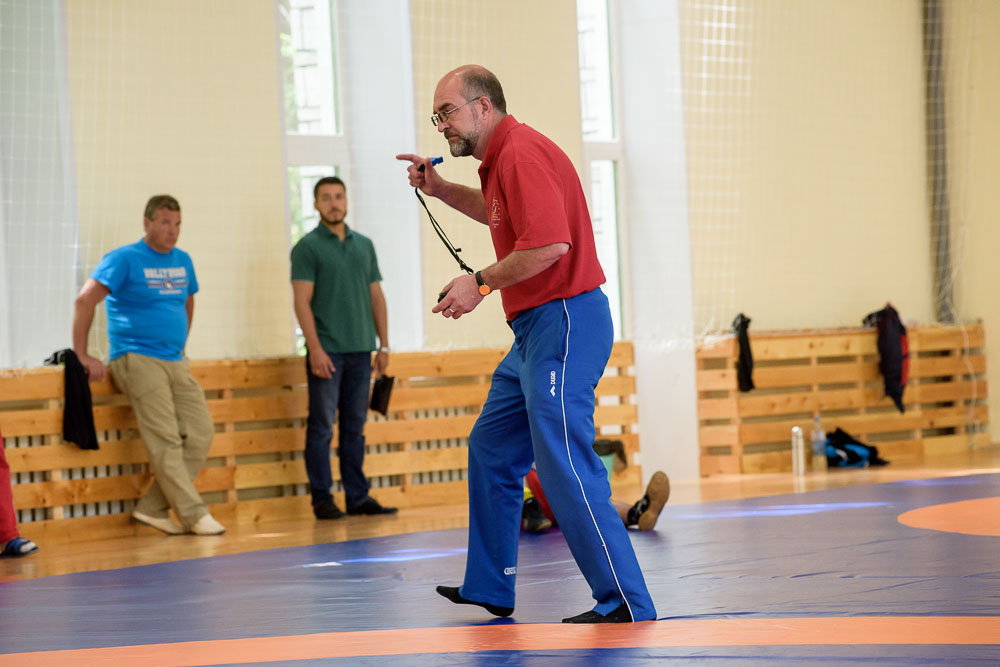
(830, 554)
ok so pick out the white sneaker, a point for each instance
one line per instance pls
(207, 525)
(165, 524)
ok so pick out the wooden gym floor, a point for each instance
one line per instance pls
(895, 564)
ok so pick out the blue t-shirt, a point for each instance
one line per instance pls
(146, 307)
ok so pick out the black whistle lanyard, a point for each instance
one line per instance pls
(441, 235)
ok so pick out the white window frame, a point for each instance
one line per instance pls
(614, 151)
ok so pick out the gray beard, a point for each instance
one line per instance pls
(463, 147)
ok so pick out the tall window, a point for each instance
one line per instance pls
(315, 145)
(601, 142)
(314, 141)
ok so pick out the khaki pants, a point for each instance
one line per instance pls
(176, 427)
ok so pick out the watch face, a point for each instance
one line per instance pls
(484, 289)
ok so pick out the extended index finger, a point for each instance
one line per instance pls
(415, 159)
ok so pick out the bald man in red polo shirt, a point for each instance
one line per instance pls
(541, 402)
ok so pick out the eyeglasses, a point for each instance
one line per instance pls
(442, 116)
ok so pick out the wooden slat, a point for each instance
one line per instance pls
(103, 489)
(714, 436)
(794, 376)
(429, 398)
(948, 338)
(809, 346)
(68, 455)
(616, 385)
(952, 391)
(720, 465)
(947, 444)
(894, 449)
(718, 408)
(717, 380)
(622, 355)
(756, 405)
(778, 431)
(939, 366)
(264, 441)
(73, 491)
(27, 385)
(717, 347)
(445, 364)
(420, 495)
(438, 428)
(218, 478)
(31, 422)
(761, 462)
(116, 452)
(276, 473)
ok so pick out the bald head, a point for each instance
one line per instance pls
(477, 81)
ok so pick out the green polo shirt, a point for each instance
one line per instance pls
(342, 273)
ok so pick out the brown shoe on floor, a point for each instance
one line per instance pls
(657, 493)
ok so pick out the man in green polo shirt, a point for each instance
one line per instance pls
(341, 309)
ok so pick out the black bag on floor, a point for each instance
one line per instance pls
(845, 451)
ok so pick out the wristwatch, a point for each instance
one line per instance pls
(484, 289)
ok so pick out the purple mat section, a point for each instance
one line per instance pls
(827, 553)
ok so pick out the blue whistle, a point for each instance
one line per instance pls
(434, 161)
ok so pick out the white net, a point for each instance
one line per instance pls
(822, 139)
(821, 180)
(105, 104)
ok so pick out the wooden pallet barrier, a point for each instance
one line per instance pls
(835, 375)
(416, 456)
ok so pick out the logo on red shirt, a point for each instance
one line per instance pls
(495, 213)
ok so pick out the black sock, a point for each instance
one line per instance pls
(451, 592)
(619, 615)
(637, 509)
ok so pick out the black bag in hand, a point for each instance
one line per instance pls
(381, 391)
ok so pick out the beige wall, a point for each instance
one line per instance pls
(972, 62)
(804, 128)
(182, 97)
(805, 145)
(536, 63)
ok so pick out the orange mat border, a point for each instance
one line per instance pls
(854, 630)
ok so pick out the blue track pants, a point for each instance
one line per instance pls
(541, 408)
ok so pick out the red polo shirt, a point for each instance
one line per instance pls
(534, 199)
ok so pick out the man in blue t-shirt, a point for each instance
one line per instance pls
(148, 288)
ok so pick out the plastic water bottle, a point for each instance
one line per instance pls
(818, 440)
(798, 452)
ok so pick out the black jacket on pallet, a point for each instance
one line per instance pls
(893, 350)
(744, 365)
(78, 412)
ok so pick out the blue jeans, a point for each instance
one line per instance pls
(345, 393)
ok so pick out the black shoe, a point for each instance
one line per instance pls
(451, 592)
(327, 510)
(533, 520)
(620, 615)
(370, 506)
